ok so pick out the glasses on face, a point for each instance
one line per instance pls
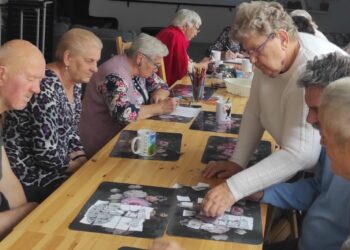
(156, 66)
(256, 52)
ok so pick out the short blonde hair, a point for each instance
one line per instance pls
(77, 41)
(186, 17)
(263, 18)
(334, 110)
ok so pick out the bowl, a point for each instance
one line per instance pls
(238, 86)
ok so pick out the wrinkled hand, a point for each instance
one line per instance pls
(221, 169)
(256, 196)
(168, 105)
(159, 95)
(75, 164)
(230, 54)
(217, 200)
(161, 244)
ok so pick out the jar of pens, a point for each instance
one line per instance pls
(197, 77)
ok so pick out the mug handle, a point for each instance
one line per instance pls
(133, 142)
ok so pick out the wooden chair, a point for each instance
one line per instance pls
(122, 46)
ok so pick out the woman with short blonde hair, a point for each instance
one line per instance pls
(42, 141)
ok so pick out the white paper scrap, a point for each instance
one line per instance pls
(188, 213)
(183, 198)
(186, 111)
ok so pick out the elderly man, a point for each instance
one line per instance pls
(22, 67)
(325, 197)
(184, 27)
(334, 116)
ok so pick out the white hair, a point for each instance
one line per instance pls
(305, 14)
(147, 45)
(186, 17)
(334, 110)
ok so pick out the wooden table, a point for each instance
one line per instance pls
(47, 226)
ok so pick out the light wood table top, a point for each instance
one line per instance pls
(47, 226)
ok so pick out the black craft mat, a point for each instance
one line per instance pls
(185, 91)
(161, 199)
(222, 148)
(178, 223)
(171, 118)
(206, 121)
(168, 146)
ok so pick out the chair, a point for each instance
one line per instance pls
(122, 46)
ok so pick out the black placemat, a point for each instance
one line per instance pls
(206, 121)
(201, 227)
(171, 118)
(222, 148)
(185, 91)
(168, 146)
(113, 203)
(130, 248)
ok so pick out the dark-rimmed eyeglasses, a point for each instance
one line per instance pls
(256, 52)
(156, 66)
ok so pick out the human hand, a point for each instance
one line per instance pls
(230, 55)
(162, 244)
(256, 196)
(217, 200)
(77, 159)
(221, 169)
(159, 95)
(168, 105)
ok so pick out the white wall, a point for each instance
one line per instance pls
(138, 15)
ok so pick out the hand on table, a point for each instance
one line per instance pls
(168, 105)
(159, 95)
(221, 169)
(217, 200)
(230, 55)
(161, 244)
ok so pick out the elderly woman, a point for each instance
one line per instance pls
(275, 104)
(183, 28)
(42, 141)
(125, 89)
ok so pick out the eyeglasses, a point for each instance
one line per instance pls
(156, 66)
(256, 52)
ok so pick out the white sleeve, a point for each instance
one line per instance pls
(300, 149)
(251, 129)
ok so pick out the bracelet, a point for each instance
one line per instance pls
(78, 156)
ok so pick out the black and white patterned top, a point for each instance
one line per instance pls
(223, 42)
(39, 138)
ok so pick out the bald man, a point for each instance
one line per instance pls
(22, 67)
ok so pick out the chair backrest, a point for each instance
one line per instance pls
(122, 46)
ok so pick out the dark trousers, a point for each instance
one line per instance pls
(38, 194)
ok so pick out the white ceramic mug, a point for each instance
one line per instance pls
(216, 55)
(247, 66)
(145, 143)
(223, 111)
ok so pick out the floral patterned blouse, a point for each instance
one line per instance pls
(123, 101)
(223, 41)
(39, 138)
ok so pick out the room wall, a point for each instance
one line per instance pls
(214, 19)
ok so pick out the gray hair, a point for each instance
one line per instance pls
(186, 17)
(304, 13)
(147, 45)
(334, 110)
(263, 18)
(322, 70)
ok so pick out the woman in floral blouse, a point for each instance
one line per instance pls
(42, 141)
(125, 89)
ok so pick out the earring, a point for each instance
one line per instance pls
(66, 67)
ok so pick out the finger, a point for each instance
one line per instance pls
(216, 170)
(225, 174)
